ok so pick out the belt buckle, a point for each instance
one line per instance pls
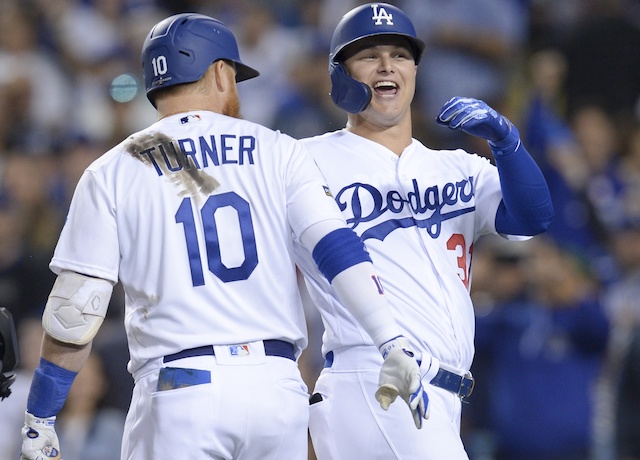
(466, 377)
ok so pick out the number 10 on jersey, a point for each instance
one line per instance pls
(210, 230)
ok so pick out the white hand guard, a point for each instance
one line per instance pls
(400, 375)
(39, 439)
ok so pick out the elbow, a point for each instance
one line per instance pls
(538, 228)
(531, 223)
(542, 223)
(546, 218)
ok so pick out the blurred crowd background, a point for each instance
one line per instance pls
(558, 317)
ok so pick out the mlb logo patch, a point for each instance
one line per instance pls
(189, 118)
(239, 350)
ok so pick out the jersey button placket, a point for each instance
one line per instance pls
(405, 183)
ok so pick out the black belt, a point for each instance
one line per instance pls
(447, 380)
(271, 348)
(457, 384)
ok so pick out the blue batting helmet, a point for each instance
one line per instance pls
(361, 22)
(180, 48)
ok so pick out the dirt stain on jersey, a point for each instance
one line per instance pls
(159, 151)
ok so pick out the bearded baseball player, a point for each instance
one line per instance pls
(197, 217)
(419, 212)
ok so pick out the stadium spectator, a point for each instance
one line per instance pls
(543, 343)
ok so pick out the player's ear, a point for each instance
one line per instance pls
(224, 74)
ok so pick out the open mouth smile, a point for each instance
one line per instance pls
(385, 88)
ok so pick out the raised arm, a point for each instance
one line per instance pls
(526, 207)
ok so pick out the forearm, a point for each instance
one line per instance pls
(66, 355)
(341, 257)
(526, 207)
(59, 364)
(359, 290)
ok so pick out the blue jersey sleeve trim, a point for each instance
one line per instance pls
(526, 208)
(339, 250)
(49, 389)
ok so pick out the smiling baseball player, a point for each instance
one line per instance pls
(197, 216)
(419, 212)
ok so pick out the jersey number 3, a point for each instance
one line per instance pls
(214, 203)
(457, 244)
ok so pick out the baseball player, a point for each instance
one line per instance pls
(419, 212)
(197, 216)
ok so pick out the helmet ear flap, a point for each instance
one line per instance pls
(347, 93)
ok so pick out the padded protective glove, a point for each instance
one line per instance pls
(475, 117)
(39, 439)
(400, 375)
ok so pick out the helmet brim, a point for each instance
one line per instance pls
(244, 72)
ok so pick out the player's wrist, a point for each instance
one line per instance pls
(35, 421)
(508, 144)
(49, 389)
(396, 344)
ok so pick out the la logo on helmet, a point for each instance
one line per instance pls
(380, 14)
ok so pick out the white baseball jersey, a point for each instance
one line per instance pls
(196, 216)
(419, 215)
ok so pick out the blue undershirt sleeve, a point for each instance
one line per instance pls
(526, 208)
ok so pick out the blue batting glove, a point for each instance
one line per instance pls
(475, 117)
